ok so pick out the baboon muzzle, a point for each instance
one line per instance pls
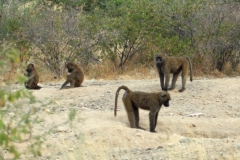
(166, 104)
(70, 70)
(159, 60)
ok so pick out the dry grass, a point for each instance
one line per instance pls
(11, 72)
(98, 71)
(108, 71)
(237, 69)
(227, 68)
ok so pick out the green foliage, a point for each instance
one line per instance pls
(10, 133)
(18, 112)
(12, 24)
(119, 30)
(131, 27)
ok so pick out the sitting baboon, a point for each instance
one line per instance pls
(167, 64)
(147, 101)
(33, 78)
(76, 76)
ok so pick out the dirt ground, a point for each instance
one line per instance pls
(201, 123)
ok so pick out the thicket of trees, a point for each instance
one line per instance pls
(122, 31)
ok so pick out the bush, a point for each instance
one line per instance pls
(19, 112)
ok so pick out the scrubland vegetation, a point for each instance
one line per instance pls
(108, 39)
(112, 37)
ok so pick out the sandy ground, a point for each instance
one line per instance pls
(201, 123)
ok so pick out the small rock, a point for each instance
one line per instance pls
(85, 108)
(61, 129)
(159, 147)
(185, 140)
(47, 110)
(195, 114)
(193, 125)
(11, 114)
(139, 134)
(170, 145)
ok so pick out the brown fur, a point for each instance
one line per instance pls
(33, 78)
(147, 101)
(76, 76)
(169, 64)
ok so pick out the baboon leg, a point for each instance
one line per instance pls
(72, 83)
(167, 78)
(152, 122)
(153, 118)
(65, 83)
(156, 117)
(130, 112)
(35, 86)
(77, 84)
(174, 79)
(136, 115)
(162, 80)
(30, 83)
(184, 78)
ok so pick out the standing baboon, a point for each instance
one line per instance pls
(166, 65)
(147, 101)
(33, 78)
(75, 78)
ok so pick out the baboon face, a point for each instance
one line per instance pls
(159, 60)
(165, 98)
(166, 104)
(70, 66)
(30, 68)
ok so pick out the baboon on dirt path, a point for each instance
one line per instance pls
(33, 77)
(76, 76)
(147, 101)
(169, 64)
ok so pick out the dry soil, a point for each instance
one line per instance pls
(203, 122)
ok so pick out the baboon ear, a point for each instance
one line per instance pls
(163, 95)
(66, 64)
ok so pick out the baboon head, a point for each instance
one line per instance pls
(70, 66)
(30, 68)
(165, 98)
(159, 59)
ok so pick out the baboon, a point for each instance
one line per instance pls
(76, 76)
(147, 101)
(169, 64)
(33, 77)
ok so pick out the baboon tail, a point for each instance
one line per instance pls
(190, 67)
(116, 97)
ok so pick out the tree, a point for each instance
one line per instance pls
(56, 37)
